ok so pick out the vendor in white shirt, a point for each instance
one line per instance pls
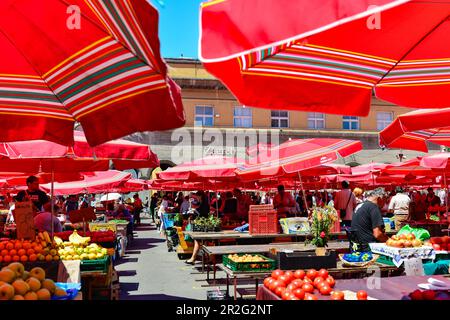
(399, 206)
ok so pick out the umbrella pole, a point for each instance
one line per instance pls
(303, 191)
(52, 191)
(446, 192)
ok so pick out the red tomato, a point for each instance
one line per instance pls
(297, 282)
(291, 287)
(416, 295)
(323, 273)
(277, 273)
(299, 274)
(286, 295)
(307, 287)
(312, 274)
(267, 281)
(273, 285)
(307, 280)
(279, 291)
(437, 247)
(309, 296)
(325, 290)
(331, 282)
(428, 295)
(361, 295)
(337, 295)
(284, 278)
(318, 281)
(299, 293)
(293, 297)
(290, 275)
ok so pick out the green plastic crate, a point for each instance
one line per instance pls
(385, 260)
(98, 265)
(267, 265)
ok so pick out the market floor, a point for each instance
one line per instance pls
(149, 272)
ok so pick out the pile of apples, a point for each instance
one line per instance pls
(404, 241)
(440, 243)
(18, 284)
(301, 285)
(27, 250)
(90, 252)
(96, 236)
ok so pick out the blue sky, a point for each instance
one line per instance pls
(178, 27)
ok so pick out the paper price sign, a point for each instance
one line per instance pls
(414, 267)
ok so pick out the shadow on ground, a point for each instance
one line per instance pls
(125, 260)
(126, 273)
(144, 243)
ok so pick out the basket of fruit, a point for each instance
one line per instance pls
(358, 259)
(248, 262)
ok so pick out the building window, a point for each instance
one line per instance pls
(316, 120)
(243, 117)
(204, 116)
(384, 119)
(350, 123)
(280, 119)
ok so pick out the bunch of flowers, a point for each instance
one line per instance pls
(322, 219)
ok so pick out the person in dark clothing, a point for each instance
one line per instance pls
(367, 221)
(153, 204)
(229, 205)
(71, 204)
(203, 207)
(33, 194)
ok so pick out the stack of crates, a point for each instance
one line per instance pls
(263, 219)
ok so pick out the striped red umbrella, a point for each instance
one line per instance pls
(329, 55)
(96, 62)
(212, 167)
(45, 156)
(412, 130)
(297, 155)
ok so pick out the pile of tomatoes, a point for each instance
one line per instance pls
(302, 285)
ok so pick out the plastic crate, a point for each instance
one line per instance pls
(263, 222)
(100, 265)
(385, 260)
(267, 265)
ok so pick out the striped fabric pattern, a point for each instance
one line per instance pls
(103, 74)
(31, 96)
(315, 63)
(418, 73)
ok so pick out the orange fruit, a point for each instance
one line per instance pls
(7, 259)
(21, 252)
(16, 258)
(32, 257)
(38, 248)
(4, 252)
(1, 258)
(2, 246)
(26, 245)
(13, 252)
(18, 245)
(24, 258)
(48, 257)
(30, 252)
(10, 246)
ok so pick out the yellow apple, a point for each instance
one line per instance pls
(7, 275)
(49, 285)
(43, 294)
(38, 273)
(6, 292)
(34, 284)
(21, 287)
(18, 297)
(31, 296)
(17, 267)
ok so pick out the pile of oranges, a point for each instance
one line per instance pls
(27, 250)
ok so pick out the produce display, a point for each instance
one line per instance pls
(95, 236)
(246, 258)
(18, 284)
(305, 285)
(358, 257)
(78, 248)
(440, 243)
(41, 249)
(404, 241)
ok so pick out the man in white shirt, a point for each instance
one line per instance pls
(399, 206)
(345, 200)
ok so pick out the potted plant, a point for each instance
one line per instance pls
(322, 219)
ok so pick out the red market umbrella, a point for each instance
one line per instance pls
(96, 62)
(260, 147)
(297, 155)
(329, 55)
(97, 182)
(45, 156)
(212, 167)
(412, 130)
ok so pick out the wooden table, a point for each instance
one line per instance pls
(393, 288)
(213, 251)
(335, 272)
